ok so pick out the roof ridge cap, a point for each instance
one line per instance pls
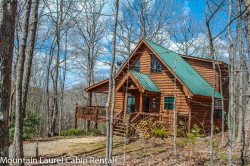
(161, 46)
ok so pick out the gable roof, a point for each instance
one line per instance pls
(184, 71)
(145, 81)
(96, 85)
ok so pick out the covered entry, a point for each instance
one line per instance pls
(141, 93)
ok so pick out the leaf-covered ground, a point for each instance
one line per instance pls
(153, 151)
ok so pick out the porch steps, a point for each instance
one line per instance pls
(119, 128)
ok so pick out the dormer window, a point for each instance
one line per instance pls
(155, 65)
(137, 66)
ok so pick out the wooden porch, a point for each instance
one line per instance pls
(91, 113)
(98, 114)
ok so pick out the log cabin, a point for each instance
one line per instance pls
(154, 81)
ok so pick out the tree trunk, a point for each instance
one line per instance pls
(11, 116)
(231, 88)
(212, 56)
(18, 140)
(245, 154)
(48, 95)
(63, 84)
(55, 90)
(29, 54)
(90, 82)
(56, 76)
(175, 111)
(7, 29)
(111, 93)
(246, 144)
(241, 79)
(223, 109)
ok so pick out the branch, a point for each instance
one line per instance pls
(231, 22)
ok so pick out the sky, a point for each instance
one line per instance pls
(193, 8)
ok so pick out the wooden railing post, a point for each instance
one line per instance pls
(140, 102)
(189, 117)
(96, 113)
(75, 121)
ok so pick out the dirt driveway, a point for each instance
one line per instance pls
(63, 146)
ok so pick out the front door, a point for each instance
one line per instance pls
(130, 104)
(145, 107)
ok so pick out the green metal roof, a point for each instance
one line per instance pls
(184, 71)
(145, 81)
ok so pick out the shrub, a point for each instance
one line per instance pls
(31, 125)
(181, 132)
(159, 129)
(195, 132)
(78, 132)
(95, 132)
(72, 132)
(191, 137)
(160, 133)
(181, 143)
(181, 124)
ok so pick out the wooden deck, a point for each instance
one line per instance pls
(91, 113)
(98, 114)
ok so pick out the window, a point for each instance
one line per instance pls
(137, 66)
(145, 104)
(155, 104)
(155, 65)
(218, 109)
(169, 103)
(130, 104)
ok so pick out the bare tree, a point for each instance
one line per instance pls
(18, 140)
(62, 80)
(231, 88)
(209, 16)
(58, 19)
(175, 111)
(111, 92)
(50, 58)
(58, 22)
(184, 32)
(245, 154)
(243, 73)
(7, 27)
(142, 19)
(90, 29)
(30, 53)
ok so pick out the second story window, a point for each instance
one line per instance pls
(137, 66)
(155, 65)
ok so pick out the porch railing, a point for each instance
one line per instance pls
(94, 113)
